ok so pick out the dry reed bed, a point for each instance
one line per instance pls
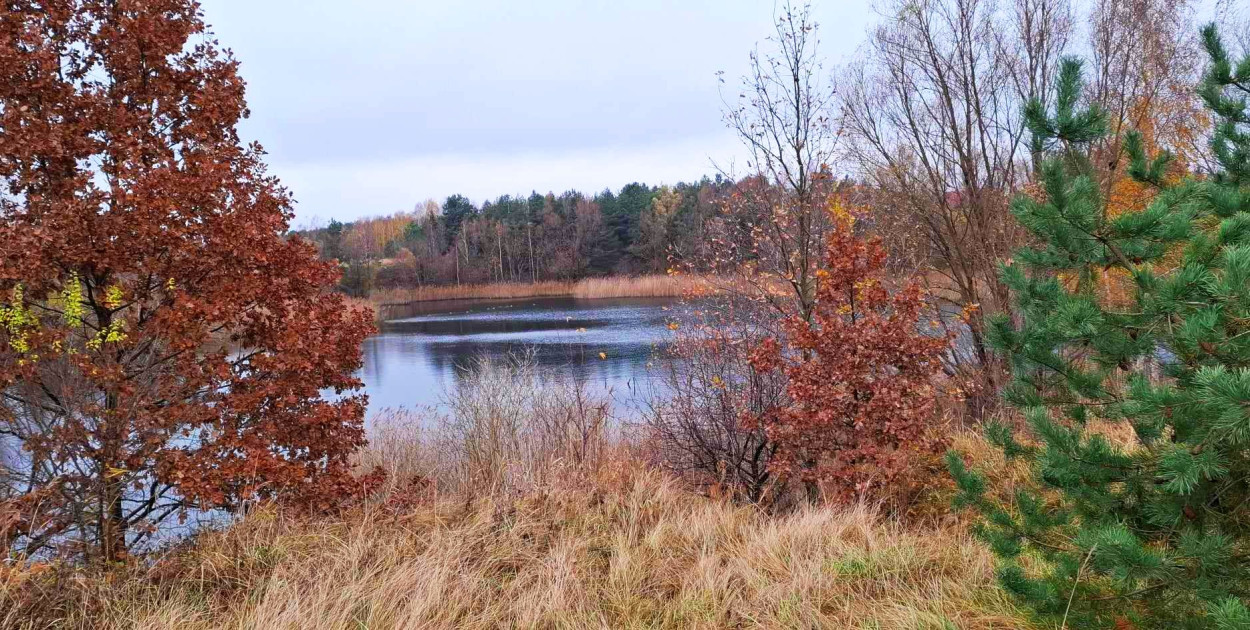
(494, 291)
(612, 287)
(640, 286)
(631, 552)
(511, 426)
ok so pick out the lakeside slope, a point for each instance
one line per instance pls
(634, 552)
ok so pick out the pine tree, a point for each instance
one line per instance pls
(1154, 532)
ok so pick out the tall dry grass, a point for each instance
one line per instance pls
(625, 550)
(507, 428)
(493, 291)
(641, 286)
(611, 287)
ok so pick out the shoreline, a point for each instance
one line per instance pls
(603, 287)
(670, 286)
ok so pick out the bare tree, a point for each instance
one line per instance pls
(768, 240)
(933, 113)
(1234, 19)
(1145, 62)
(777, 217)
(1040, 33)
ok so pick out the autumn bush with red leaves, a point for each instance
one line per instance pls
(862, 377)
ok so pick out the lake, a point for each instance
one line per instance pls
(421, 352)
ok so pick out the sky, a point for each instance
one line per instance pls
(369, 108)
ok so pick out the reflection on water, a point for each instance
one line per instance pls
(424, 349)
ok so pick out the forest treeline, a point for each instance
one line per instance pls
(573, 235)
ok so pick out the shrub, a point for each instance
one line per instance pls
(697, 422)
(861, 376)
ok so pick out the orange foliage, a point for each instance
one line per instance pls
(1180, 132)
(167, 345)
(861, 376)
(367, 239)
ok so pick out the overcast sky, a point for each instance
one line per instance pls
(371, 107)
(368, 108)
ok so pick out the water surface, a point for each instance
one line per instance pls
(425, 348)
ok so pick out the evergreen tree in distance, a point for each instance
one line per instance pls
(1153, 533)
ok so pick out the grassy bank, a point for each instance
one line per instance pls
(532, 512)
(630, 551)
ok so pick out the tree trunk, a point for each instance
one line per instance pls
(529, 234)
(112, 519)
(112, 526)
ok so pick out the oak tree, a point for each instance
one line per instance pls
(163, 346)
(773, 225)
(861, 375)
